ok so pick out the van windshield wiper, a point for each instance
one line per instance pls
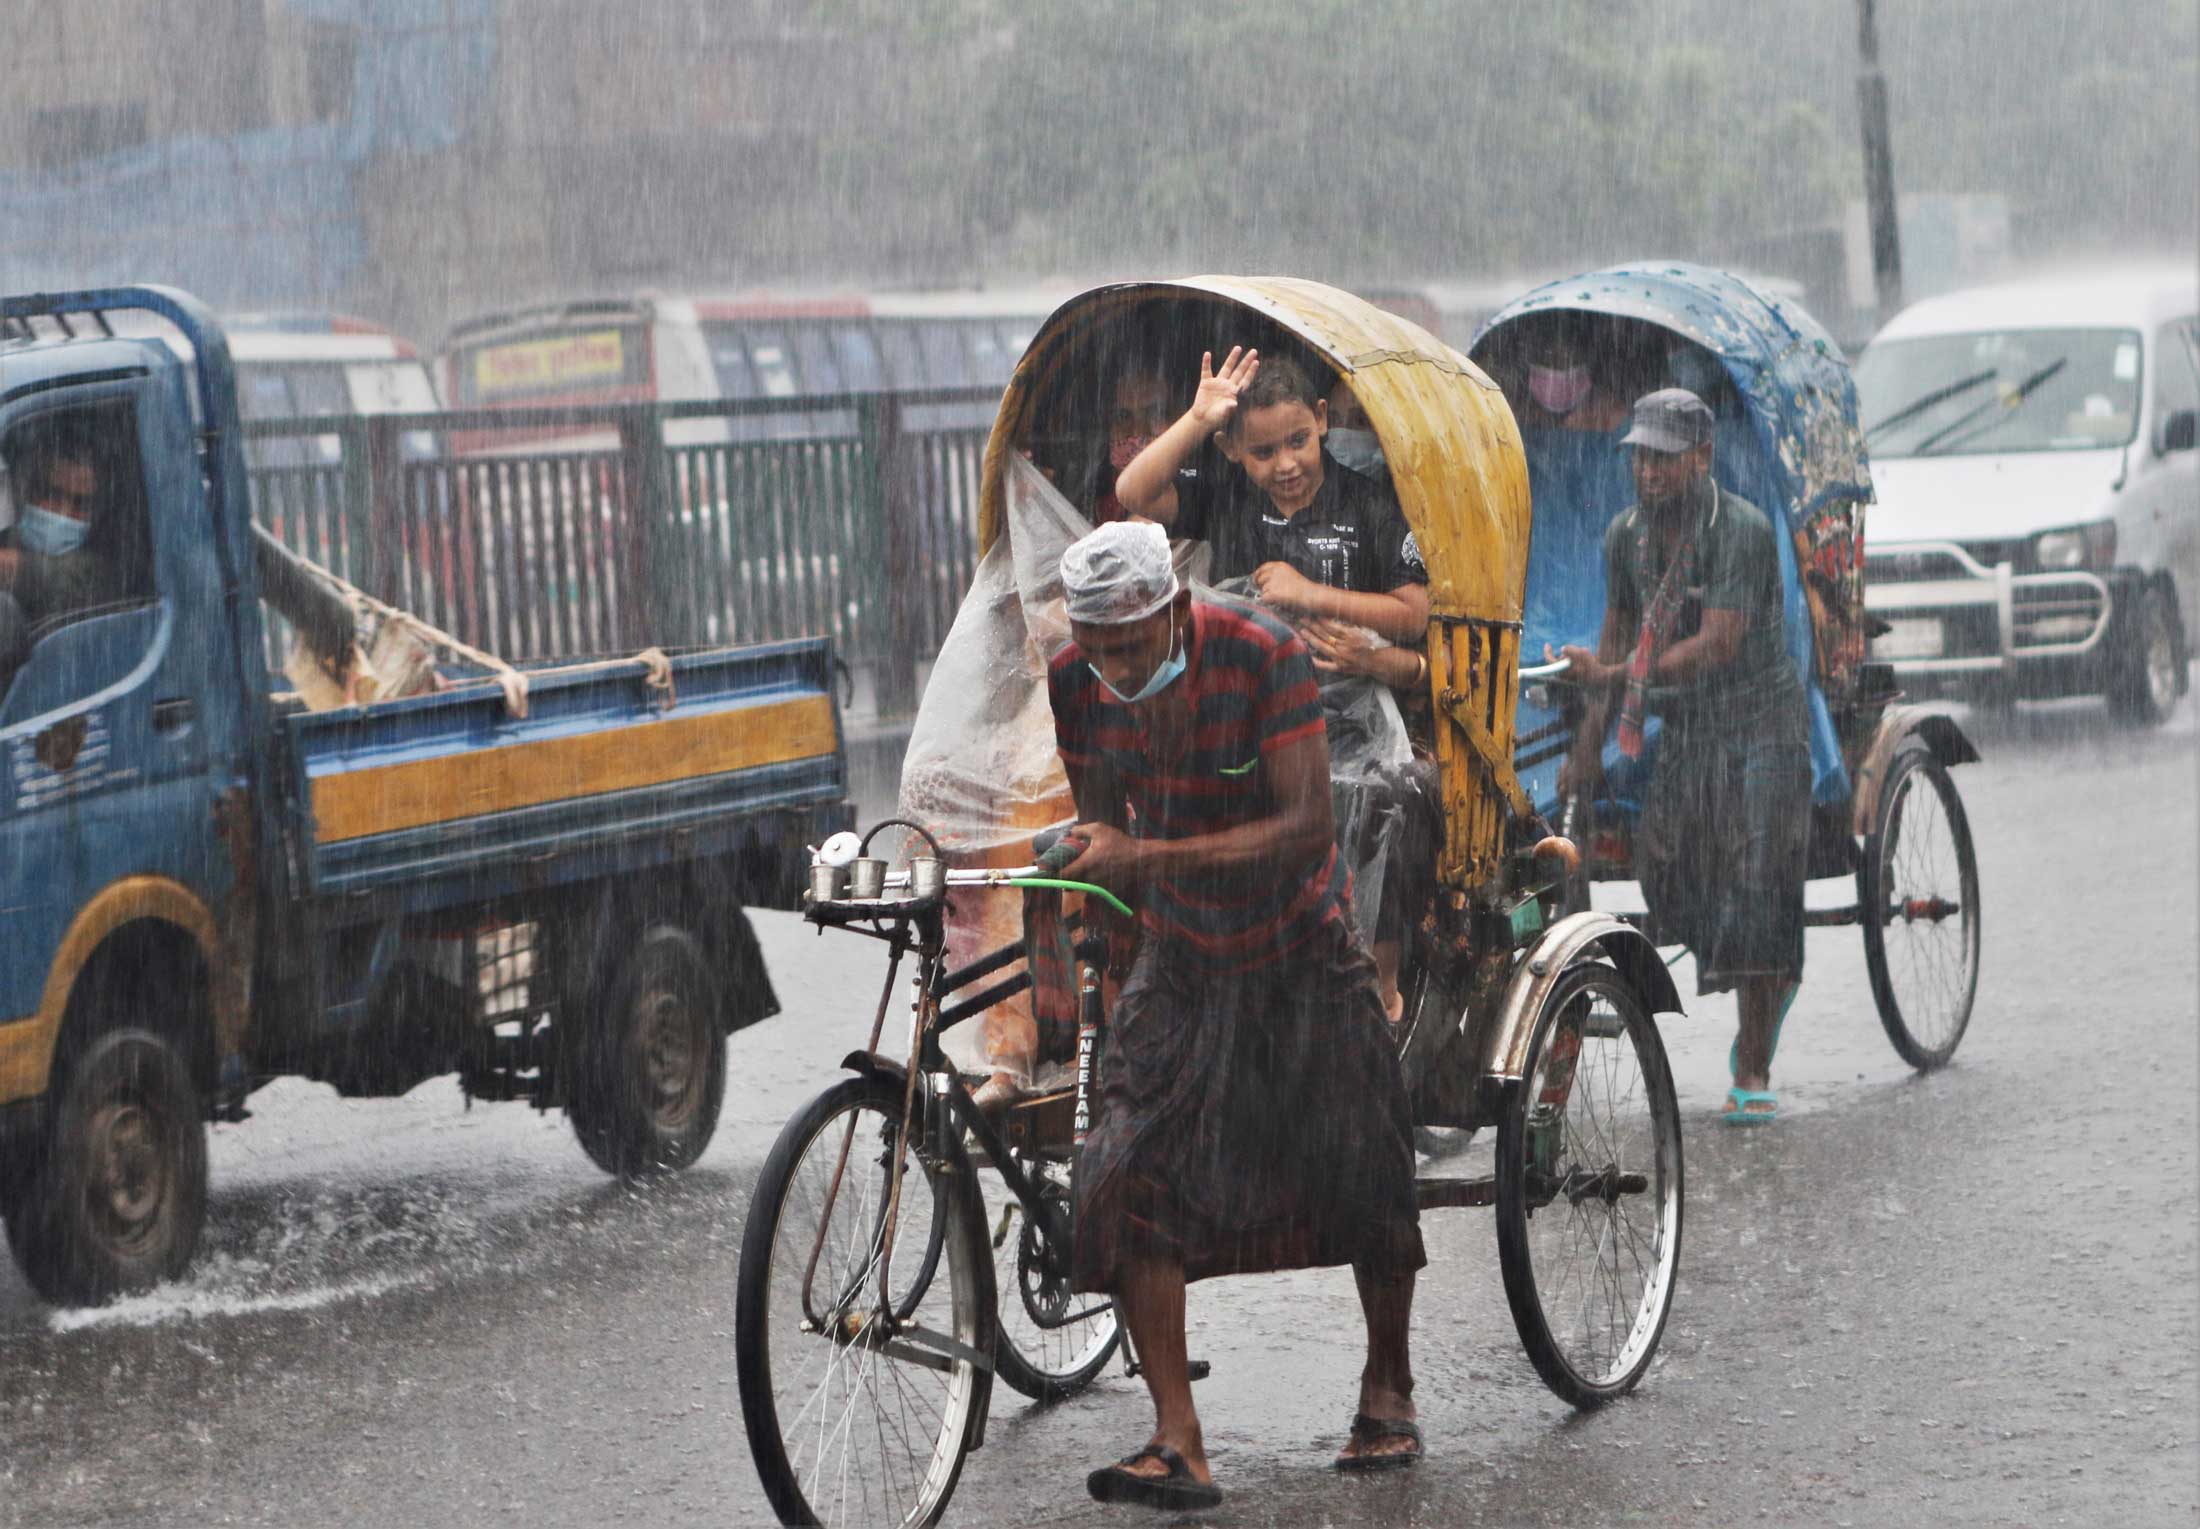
(2008, 403)
(1915, 407)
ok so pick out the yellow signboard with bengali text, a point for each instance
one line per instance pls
(534, 366)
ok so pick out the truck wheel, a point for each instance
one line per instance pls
(2149, 674)
(653, 1063)
(118, 1196)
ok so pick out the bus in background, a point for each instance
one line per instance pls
(293, 365)
(297, 365)
(757, 345)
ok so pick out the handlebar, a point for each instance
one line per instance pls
(1529, 674)
(1034, 876)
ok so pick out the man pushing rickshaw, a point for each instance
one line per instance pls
(1239, 1103)
(1252, 1117)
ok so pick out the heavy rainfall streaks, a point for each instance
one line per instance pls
(717, 805)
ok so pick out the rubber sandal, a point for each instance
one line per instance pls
(1366, 1430)
(1734, 1052)
(1177, 1490)
(1739, 1113)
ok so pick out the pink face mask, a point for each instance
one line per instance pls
(1121, 452)
(1559, 390)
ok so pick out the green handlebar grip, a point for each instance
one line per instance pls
(1086, 887)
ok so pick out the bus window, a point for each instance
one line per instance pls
(263, 393)
(944, 363)
(319, 390)
(774, 366)
(820, 372)
(1017, 335)
(904, 365)
(729, 359)
(859, 359)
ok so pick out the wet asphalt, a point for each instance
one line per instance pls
(1965, 1298)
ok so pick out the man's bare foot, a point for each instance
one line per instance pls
(1394, 1007)
(997, 1093)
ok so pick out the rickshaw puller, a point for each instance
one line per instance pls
(1694, 610)
(1251, 1114)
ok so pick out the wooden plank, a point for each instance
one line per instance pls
(419, 792)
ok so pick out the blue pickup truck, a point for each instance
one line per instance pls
(205, 884)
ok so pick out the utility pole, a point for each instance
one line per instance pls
(1871, 101)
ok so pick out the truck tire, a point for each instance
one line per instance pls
(117, 1198)
(652, 1063)
(2149, 674)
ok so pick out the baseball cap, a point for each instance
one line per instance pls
(1670, 420)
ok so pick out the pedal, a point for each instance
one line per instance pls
(1194, 1369)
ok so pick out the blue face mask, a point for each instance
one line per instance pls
(49, 534)
(1356, 449)
(1160, 680)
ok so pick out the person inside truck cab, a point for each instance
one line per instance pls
(49, 566)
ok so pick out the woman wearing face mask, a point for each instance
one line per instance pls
(1565, 388)
(1352, 439)
(1138, 410)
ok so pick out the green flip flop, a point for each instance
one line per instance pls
(1739, 1113)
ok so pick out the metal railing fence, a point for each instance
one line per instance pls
(564, 532)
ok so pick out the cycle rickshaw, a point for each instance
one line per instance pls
(1885, 815)
(882, 1290)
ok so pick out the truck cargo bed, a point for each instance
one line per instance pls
(449, 797)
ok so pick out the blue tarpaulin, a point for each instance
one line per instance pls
(267, 218)
(1794, 451)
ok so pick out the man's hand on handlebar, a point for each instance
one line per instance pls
(1112, 859)
(1582, 666)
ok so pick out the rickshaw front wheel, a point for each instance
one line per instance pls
(861, 1397)
(1918, 892)
(1589, 1188)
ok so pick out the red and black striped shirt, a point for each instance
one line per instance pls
(1253, 691)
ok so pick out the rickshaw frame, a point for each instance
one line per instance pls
(1806, 467)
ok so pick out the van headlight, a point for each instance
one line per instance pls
(2076, 547)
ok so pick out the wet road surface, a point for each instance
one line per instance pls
(1969, 1298)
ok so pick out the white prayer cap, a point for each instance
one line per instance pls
(1120, 573)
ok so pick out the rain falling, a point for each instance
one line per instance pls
(978, 763)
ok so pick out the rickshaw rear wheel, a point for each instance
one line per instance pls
(1589, 1188)
(860, 1407)
(1917, 891)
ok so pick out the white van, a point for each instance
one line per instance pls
(2037, 530)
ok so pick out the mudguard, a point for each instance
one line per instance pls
(871, 1065)
(1898, 726)
(1588, 935)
